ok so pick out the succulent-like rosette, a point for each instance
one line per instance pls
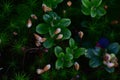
(104, 54)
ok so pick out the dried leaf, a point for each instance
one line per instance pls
(37, 37)
(43, 40)
(37, 43)
(40, 71)
(34, 16)
(69, 3)
(46, 8)
(47, 67)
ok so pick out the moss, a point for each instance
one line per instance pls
(4, 40)
(16, 38)
(20, 76)
(18, 46)
(6, 6)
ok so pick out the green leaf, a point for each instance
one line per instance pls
(59, 64)
(79, 52)
(71, 42)
(58, 1)
(48, 43)
(90, 53)
(68, 63)
(114, 48)
(96, 3)
(101, 11)
(57, 50)
(64, 22)
(61, 56)
(96, 51)
(95, 62)
(47, 18)
(85, 11)
(66, 33)
(55, 3)
(86, 3)
(51, 31)
(68, 57)
(93, 12)
(110, 70)
(68, 50)
(54, 15)
(42, 28)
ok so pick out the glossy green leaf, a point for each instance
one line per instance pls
(51, 31)
(66, 33)
(96, 3)
(93, 12)
(68, 50)
(42, 28)
(68, 56)
(114, 48)
(53, 15)
(95, 62)
(96, 51)
(61, 56)
(85, 11)
(47, 18)
(55, 3)
(64, 22)
(110, 70)
(86, 3)
(90, 53)
(68, 63)
(57, 50)
(59, 64)
(48, 43)
(79, 52)
(71, 42)
(101, 11)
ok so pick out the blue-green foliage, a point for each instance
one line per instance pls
(97, 54)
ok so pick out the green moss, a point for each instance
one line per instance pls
(24, 11)
(21, 76)
(45, 76)
(32, 3)
(19, 45)
(7, 6)
(4, 40)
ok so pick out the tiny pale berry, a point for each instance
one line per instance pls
(34, 16)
